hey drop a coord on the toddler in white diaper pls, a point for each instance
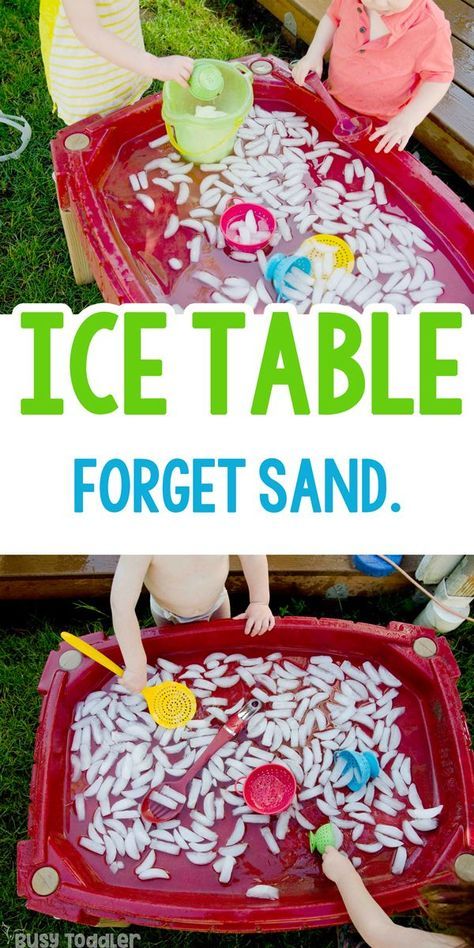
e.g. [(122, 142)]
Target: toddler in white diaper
[(182, 589)]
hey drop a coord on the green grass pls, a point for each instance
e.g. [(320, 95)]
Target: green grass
[(27, 633), (35, 264)]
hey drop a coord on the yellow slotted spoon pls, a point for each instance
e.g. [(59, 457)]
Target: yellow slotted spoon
[(171, 704)]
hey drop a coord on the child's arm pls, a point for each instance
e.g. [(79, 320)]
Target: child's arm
[(86, 25), (372, 923), (126, 589), (398, 130), (258, 613), (313, 59)]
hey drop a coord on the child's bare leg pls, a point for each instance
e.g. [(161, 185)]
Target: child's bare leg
[(223, 611)]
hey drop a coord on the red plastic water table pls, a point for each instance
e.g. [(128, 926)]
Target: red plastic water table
[(59, 878), (115, 241)]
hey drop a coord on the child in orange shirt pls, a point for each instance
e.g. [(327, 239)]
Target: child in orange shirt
[(391, 59)]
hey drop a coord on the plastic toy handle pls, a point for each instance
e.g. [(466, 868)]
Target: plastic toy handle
[(91, 652), (315, 81), (221, 738), (235, 724), (244, 71), (236, 787), (172, 135)]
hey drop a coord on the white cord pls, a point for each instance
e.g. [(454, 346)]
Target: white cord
[(22, 126), (423, 590)]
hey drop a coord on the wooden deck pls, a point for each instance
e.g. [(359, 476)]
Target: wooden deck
[(449, 131), (83, 577)]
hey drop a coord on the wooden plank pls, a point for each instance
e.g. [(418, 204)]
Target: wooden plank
[(459, 14), (82, 577), (455, 115), (57, 566), (44, 577), (312, 8), (322, 575), (447, 149), (57, 587), (300, 19), (464, 66)]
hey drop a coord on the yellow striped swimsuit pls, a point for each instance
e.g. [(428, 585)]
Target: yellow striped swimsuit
[(80, 82)]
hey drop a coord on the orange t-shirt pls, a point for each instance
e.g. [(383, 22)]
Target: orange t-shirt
[(378, 77)]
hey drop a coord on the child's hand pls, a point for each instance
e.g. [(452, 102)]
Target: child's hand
[(134, 678), (259, 617), (178, 68), (305, 66), (336, 864), (395, 133)]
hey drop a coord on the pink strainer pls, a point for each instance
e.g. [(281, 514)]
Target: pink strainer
[(268, 789), (240, 213)]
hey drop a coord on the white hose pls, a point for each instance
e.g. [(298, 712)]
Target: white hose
[(22, 126), (422, 589)]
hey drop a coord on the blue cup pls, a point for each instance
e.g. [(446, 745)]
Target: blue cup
[(280, 264)]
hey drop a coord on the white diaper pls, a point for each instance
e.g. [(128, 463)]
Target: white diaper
[(159, 612)]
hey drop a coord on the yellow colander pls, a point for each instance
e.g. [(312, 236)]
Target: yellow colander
[(170, 703)]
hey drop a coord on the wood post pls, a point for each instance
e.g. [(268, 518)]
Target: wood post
[(79, 262)]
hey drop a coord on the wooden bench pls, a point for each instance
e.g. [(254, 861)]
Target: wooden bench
[(82, 577), (449, 131)]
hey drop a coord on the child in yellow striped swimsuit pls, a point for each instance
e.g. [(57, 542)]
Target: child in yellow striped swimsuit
[(95, 59)]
